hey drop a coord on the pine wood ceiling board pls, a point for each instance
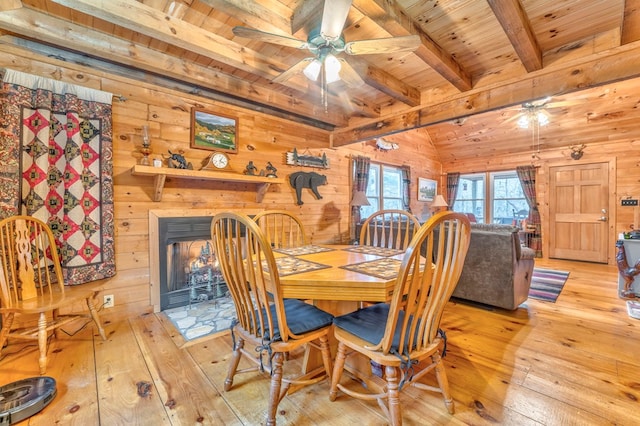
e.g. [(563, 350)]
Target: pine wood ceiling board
[(557, 23), (470, 33), (429, 52), (272, 16), (617, 64)]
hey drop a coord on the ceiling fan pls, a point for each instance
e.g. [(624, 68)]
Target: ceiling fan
[(326, 43)]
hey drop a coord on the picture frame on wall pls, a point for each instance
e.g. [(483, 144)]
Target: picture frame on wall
[(213, 131), (427, 189)]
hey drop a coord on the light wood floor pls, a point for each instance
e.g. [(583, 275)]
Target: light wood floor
[(573, 362)]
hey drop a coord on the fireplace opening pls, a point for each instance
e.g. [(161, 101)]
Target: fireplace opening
[(188, 268)]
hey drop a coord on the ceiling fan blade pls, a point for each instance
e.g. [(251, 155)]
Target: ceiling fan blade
[(269, 38), (334, 17), (349, 75), (383, 45), (295, 69)]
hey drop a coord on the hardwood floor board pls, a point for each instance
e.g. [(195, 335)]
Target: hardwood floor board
[(122, 385), (586, 401), (71, 363), (186, 392), (573, 362)]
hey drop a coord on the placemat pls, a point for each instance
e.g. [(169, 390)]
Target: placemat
[(299, 251), (384, 268), (378, 251), (292, 265)]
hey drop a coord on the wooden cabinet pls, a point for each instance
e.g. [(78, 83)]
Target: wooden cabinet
[(161, 173)]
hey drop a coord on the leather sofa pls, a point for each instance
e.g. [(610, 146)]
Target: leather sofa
[(497, 270)]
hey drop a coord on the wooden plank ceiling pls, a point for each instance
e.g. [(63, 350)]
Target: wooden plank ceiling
[(478, 61)]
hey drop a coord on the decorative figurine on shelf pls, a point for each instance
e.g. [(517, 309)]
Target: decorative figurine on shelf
[(145, 149), (250, 170), (177, 161), (271, 171)]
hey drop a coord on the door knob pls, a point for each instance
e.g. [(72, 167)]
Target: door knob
[(603, 219)]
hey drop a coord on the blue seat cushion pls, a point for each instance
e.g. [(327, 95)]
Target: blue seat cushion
[(369, 324), (301, 318)]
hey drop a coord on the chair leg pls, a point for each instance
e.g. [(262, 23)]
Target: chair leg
[(42, 342), (233, 364), (7, 322), (338, 367), (276, 383), (326, 355), (443, 382), (96, 317), (393, 395)]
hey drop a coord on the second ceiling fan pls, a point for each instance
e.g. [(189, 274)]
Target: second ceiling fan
[(327, 43)]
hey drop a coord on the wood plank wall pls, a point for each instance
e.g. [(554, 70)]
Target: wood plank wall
[(167, 113)]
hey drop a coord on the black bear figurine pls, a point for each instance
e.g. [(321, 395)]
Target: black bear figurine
[(310, 180)]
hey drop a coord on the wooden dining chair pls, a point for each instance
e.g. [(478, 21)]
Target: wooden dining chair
[(390, 228), (281, 228), (31, 283), (404, 335), (268, 324)]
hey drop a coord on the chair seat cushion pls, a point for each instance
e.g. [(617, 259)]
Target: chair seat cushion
[(301, 317), (369, 324)]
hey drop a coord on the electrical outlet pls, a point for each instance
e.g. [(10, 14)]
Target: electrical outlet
[(109, 302), (628, 202)]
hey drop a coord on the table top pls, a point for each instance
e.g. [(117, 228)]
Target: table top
[(332, 281)]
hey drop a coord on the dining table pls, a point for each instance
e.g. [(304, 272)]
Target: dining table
[(331, 275), (337, 279)]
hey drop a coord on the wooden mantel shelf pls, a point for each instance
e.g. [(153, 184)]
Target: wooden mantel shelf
[(161, 173)]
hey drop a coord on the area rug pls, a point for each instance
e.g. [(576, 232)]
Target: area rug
[(203, 319), (546, 284)]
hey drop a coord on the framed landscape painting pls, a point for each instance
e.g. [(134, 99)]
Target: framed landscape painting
[(213, 131), (427, 189)]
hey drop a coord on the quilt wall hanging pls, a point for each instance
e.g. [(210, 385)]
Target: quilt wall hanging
[(56, 165)]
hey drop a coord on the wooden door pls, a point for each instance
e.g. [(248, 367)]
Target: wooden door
[(579, 212)]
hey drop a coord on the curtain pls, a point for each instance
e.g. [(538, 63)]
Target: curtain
[(360, 180), (527, 176), (453, 180), (406, 195), (57, 161)]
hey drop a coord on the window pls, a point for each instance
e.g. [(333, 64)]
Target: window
[(384, 189), (506, 201)]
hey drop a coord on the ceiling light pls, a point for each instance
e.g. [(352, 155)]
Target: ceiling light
[(312, 71), (532, 115), (331, 68)]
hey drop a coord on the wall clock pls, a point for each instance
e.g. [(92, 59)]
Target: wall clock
[(216, 161)]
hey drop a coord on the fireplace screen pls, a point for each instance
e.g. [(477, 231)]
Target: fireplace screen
[(193, 273)]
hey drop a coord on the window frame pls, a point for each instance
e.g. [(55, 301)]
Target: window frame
[(380, 201)]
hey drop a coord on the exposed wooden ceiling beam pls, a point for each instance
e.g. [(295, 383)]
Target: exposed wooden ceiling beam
[(256, 15), (595, 70), (390, 14), (631, 22), (516, 25), (386, 83), (54, 55), (52, 30), (154, 23)]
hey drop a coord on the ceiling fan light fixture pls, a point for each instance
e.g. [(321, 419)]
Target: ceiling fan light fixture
[(312, 71), (332, 68), (523, 122), (542, 118)]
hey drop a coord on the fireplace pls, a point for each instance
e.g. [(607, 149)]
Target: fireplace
[(183, 268)]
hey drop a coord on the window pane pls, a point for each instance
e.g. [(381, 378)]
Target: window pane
[(470, 196), (393, 203), (391, 182), (509, 203), (373, 187)]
